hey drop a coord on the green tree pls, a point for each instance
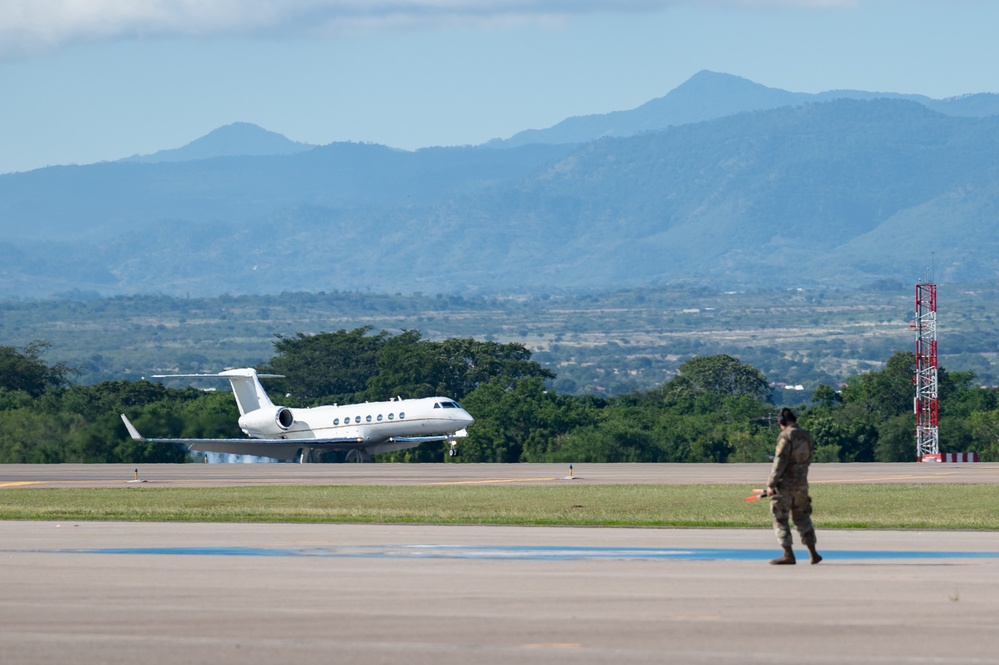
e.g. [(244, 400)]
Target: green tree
[(826, 396), (162, 419), (413, 367), (886, 393), (839, 436), (30, 437), (114, 397), (725, 376), (473, 363), (408, 367), (327, 366), (612, 441), (518, 421), (985, 426), (24, 370), (896, 439)]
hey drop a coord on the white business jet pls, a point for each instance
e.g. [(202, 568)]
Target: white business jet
[(361, 430)]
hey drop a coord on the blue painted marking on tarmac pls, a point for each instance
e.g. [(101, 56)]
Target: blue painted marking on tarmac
[(525, 553)]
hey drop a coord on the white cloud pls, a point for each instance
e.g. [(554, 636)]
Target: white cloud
[(33, 26)]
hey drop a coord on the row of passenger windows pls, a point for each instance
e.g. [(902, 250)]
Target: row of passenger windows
[(357, 419), (391, 416)]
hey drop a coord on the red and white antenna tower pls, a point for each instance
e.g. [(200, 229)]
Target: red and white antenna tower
[(926, 407)]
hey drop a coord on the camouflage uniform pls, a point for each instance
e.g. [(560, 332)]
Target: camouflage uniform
[(789, 477)]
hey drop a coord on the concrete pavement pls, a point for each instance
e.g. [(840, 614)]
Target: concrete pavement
[(157, 593)]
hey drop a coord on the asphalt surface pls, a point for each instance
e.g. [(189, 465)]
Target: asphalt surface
[(221, 475), (94, 592)]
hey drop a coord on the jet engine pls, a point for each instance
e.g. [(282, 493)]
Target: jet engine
[(267, 422)]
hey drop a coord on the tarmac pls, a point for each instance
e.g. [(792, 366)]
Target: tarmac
[(223, 475), (98, 592)]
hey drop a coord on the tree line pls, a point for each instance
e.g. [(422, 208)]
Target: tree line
[(715, 409)]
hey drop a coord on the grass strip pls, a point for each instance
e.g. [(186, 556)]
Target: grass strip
[(836, 506)]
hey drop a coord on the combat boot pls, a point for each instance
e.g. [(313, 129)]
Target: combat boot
[(813, 556), (787, 559)]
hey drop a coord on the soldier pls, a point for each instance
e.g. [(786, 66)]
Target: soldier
[(788, 488)]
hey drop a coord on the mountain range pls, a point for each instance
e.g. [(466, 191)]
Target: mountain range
[(240, 139), (722, 182)]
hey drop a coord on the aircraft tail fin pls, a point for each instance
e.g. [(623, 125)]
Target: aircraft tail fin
[(245, 382)]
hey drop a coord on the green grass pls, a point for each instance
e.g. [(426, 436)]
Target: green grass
[(836, 506)]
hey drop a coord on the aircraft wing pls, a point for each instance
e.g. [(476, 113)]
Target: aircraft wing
[(276, 448)]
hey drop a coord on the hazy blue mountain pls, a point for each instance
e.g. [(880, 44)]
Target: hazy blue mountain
[(708, 95), (837, 193), (100, 200), (235, 140)]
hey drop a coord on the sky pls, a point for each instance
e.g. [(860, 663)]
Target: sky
[(83, 81)]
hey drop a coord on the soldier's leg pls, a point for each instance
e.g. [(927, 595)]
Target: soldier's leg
[(801, 513), (780, 505), (780, 510)]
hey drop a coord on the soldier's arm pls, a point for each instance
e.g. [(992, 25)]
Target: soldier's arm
[(781, 456)]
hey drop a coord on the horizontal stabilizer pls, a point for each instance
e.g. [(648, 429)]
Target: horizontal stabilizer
[(245, 382), (214, 376)]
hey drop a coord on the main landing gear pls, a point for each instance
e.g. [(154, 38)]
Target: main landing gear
[(357, 455)]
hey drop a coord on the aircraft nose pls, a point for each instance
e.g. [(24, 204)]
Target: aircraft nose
[(465, 418)]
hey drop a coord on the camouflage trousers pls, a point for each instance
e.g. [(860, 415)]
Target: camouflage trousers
[(792, 502)]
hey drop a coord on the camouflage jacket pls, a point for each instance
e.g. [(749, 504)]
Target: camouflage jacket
[(791, 460)]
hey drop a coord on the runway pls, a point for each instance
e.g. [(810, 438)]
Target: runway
[(92, 592), (223, 475)]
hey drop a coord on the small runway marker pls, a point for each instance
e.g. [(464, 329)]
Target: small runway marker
[(136, 479)]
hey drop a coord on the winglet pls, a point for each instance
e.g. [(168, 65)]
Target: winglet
[(134, 433)]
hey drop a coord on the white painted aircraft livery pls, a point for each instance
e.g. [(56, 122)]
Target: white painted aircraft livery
[(360, 430)]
